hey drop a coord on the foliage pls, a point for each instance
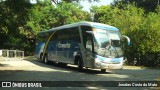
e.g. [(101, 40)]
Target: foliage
[(71, 1), (143, 29), (67, 13), (21, 20), (10, 22), (147, 5)]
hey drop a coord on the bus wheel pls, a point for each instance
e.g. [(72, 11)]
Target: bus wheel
[(103, 70), (41, 60), (46, 59), (80, 67)]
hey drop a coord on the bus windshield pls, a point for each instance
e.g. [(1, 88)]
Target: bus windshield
[(107, 43)]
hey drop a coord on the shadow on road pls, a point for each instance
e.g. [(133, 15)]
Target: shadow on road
[(4, 65), (55, 72), (73, 68), (71, 78), (67, 67)]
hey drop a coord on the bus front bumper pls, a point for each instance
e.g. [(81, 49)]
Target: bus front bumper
[(108, 64)]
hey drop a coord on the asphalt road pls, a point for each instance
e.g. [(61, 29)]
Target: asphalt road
[(32, 70)]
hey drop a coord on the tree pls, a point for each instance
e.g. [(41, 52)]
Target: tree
[(12, 18), (21, 20), (67, 13), (142, 29), (70, 1), (147, 5)]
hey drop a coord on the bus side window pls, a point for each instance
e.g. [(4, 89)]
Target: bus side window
[(89, 43), (85, 35)]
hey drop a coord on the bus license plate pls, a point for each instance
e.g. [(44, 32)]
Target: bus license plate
[(110, 67)]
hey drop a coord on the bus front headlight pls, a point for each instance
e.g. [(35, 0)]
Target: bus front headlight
[(97, 62)]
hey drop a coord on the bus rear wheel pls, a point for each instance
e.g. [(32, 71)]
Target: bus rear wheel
[(41, 60), (103, 70), (79, 64)]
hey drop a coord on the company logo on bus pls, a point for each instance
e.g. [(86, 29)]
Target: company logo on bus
[(67, 45)]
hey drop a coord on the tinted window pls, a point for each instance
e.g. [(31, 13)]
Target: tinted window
[(67, 34), (84, 29)]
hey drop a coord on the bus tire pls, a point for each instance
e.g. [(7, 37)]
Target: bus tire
[(41, 60), (103, 70), (79, 64)]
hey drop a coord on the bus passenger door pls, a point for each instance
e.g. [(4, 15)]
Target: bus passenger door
[(89, 50)]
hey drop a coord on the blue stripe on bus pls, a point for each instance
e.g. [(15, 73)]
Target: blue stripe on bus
[(100, 57), (114, 60), (106, 28)]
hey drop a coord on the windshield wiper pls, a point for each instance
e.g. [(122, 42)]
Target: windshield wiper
[(114, 48), (111, 47), (107, 48)]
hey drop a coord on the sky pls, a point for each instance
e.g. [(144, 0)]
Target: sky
[(86, 5)]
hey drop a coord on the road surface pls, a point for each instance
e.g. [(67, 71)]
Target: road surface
[(32, 70)]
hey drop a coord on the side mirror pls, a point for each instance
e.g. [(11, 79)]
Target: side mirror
[(128, 39)]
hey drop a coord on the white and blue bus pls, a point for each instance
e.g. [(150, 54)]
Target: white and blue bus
[(85, 44)]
